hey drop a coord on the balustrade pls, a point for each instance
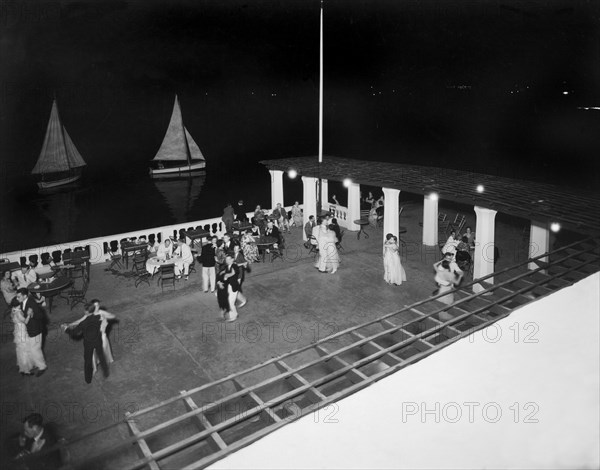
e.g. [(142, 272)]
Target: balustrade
[(100, 248)]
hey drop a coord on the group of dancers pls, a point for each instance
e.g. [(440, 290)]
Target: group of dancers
[(30, 329)]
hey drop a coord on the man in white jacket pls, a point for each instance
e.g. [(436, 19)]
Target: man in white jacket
[(184, 251)]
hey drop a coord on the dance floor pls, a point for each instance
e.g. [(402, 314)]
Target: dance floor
[(174, 340)]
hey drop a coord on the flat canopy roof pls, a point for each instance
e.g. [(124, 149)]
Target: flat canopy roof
[(574, 210)]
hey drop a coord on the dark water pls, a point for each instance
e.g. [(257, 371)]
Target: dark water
[(116, 195), (105, 204)]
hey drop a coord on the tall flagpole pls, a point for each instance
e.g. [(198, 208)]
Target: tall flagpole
[(319, 185), (321, 89)]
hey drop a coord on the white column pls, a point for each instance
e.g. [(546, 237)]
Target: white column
[(390, 211), (353, 206), (539, 242), (276, 187), (430, 220), (484, 246), (324, 195), (310, 199)]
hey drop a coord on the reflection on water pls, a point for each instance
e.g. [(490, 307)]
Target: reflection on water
[(58, 214), (180, 193), (119, 202)]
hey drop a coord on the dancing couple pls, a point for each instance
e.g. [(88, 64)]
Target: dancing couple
[(229, 288), (96, 347), (328, 258), (393, 272)]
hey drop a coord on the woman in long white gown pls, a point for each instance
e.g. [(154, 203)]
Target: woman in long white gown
[(94, 308), (21, 338), (393, 272), (328, 258)]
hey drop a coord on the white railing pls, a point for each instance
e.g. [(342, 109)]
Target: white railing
[(341, 214), (100, 247)]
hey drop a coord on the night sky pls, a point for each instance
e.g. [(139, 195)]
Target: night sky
[(489, 85)]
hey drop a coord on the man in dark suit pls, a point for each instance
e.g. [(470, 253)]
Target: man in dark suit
[(89, 327), (273, 231), (36, 328), (308, 226), (37, 439), (228, 244), (336, 228)]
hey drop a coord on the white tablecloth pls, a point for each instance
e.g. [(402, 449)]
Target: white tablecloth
[(154, 264)]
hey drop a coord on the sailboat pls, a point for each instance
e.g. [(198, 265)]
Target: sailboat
[(178, 155), (60, 162)]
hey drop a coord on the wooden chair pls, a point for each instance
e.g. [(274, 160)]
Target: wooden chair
[(364, 214), (77, 296), (461, 224), (312, 245), (78, 269), (277, 250), (192, 268), (140, 272), (167, 275), (115, 259), (338, 244)]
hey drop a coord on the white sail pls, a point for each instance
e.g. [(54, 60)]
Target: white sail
[(58, 153), (195, 152), (178, 144)]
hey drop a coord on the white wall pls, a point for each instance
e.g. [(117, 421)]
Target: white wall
[(554, 381)]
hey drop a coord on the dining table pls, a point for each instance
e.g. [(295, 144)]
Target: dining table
[(130, 248), (196, 237), (264, 243), (362, 223), (241, 227), (154, 265), (50, 288), (10, 266)]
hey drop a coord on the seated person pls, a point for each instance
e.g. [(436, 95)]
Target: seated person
[(165, 250), (463, 244), (470, 236), (249, 248), (9, 290), (256, 230), (184, 251), (462, 256), (451, 244), (153, 247), (25, 276), (272, 231), (43, 268), (280, 214)]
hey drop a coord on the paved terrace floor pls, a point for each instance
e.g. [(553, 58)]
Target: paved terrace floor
[(171, 341)]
